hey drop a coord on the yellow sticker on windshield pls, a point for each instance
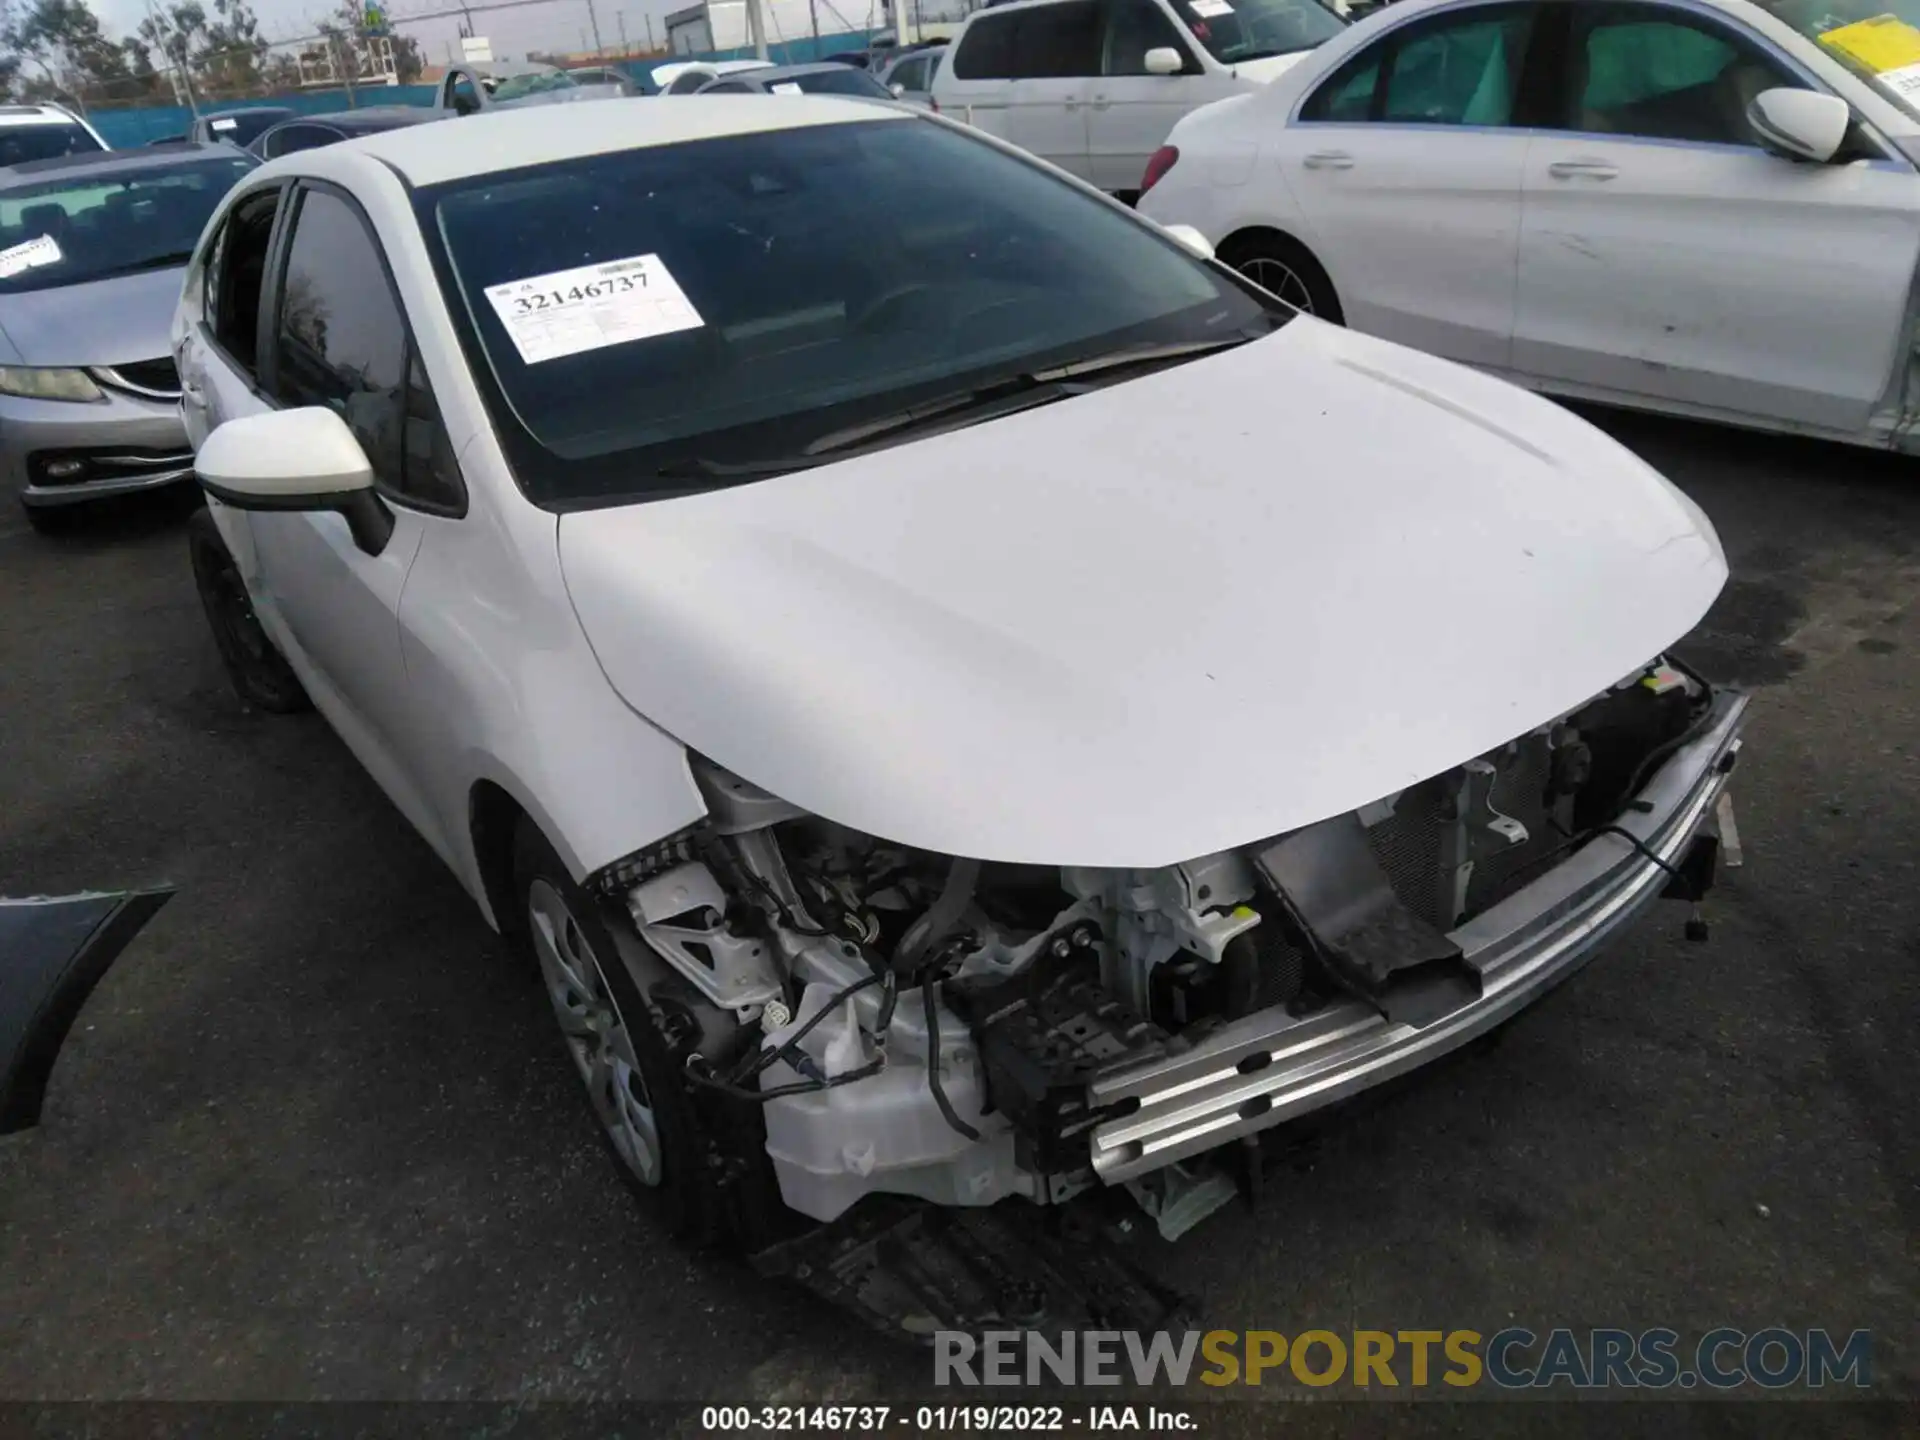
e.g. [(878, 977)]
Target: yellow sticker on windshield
[(1883, 43)]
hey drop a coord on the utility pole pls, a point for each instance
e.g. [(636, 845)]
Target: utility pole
[(343, 61), (649, 32), (756, 30), (813, 16), (626, 50), (594, 18)]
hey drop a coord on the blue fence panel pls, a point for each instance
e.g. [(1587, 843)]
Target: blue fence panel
[(124, 129)]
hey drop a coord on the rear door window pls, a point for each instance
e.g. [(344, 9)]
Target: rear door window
[(236, 275), (986, 50), (1056, 41), (1458, 68)]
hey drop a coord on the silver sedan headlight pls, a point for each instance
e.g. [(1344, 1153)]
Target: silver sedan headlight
[(38, 382)]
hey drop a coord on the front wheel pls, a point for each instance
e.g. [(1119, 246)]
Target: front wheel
[(259, 672), (1284, 267), (704, 1173)]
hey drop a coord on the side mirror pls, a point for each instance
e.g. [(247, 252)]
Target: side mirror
[(1164, 60), (897, 89), (305, 459), (1192, 239), (1800, 124)]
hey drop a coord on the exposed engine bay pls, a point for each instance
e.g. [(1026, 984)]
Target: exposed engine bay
[(914, 1024)]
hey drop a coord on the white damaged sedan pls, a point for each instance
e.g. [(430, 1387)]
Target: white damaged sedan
[(961, 697)]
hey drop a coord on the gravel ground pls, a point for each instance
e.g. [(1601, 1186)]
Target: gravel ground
[(313, 1138)]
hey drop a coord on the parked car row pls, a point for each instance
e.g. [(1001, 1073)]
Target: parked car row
[(1704, 207)]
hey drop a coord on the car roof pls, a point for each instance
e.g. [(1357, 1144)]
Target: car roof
[(145, 157), (771, 73), (375, 119), (497, 140), (36, 115)]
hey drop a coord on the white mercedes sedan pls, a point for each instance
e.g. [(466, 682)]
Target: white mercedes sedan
[(956, 695), (1704, 207)]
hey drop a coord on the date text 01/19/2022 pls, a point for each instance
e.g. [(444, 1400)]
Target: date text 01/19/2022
[(977, 1419)]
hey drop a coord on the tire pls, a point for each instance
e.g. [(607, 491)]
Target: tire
[(260, 674), (698, 1165), (1284, 267)]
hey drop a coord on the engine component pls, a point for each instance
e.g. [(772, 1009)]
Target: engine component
[(682, 915), (1042, 1035)]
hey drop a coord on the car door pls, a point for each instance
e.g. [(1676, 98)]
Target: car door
[(1665, 256), (1406, 163), (337, 336), (1056, 55), (1130, 110)]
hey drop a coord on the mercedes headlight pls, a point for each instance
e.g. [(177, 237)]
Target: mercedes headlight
[(39, 382)]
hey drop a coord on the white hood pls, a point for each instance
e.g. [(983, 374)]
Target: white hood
[(1167, 618)]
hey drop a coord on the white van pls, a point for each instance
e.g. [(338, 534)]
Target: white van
[(1095, 85)]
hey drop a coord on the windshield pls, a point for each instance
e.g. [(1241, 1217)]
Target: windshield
[(1236, 30), (841, 80), (1252, 29), (20, 144), (735, 300), (519, 86), (243, 127), (90, 225), (1876, 39)]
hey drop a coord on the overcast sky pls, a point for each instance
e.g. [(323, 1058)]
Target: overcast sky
[(550, 25)]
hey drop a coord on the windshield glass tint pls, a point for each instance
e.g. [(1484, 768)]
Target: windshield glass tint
[(243, 127), (88, 226), (842, 80), (1236, 30), (20, 144), (520, 86), (831, 274), (1878, 39)]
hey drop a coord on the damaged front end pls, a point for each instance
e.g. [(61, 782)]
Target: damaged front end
[(968, 1032)]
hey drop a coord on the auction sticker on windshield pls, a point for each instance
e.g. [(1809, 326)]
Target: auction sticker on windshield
[(592, 307), (18, 259)]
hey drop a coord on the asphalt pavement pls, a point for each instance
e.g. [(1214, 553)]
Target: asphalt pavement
[(315, 1138)]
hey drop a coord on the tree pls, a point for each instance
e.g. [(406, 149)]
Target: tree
[(62, 41), (224, 52)]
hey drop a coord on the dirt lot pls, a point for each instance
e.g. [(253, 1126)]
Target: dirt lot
[(314, 1139)]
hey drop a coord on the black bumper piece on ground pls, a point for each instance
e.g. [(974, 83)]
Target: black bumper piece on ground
[(912, 1269), (52, 953)]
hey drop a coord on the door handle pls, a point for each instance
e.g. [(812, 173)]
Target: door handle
[(1099, 102), (1329, 160), (1070, 106), (1581, 169)]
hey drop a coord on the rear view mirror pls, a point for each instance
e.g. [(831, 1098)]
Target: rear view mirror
[(1800, 124), (304, 459), (897, 89), (1164, 60)]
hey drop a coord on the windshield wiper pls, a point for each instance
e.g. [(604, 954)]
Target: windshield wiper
[(152, 262), (1035, 387), (1007, 396)]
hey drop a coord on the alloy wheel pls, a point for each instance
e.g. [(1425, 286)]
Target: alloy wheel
[(1279, 278), (596, 1033)]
